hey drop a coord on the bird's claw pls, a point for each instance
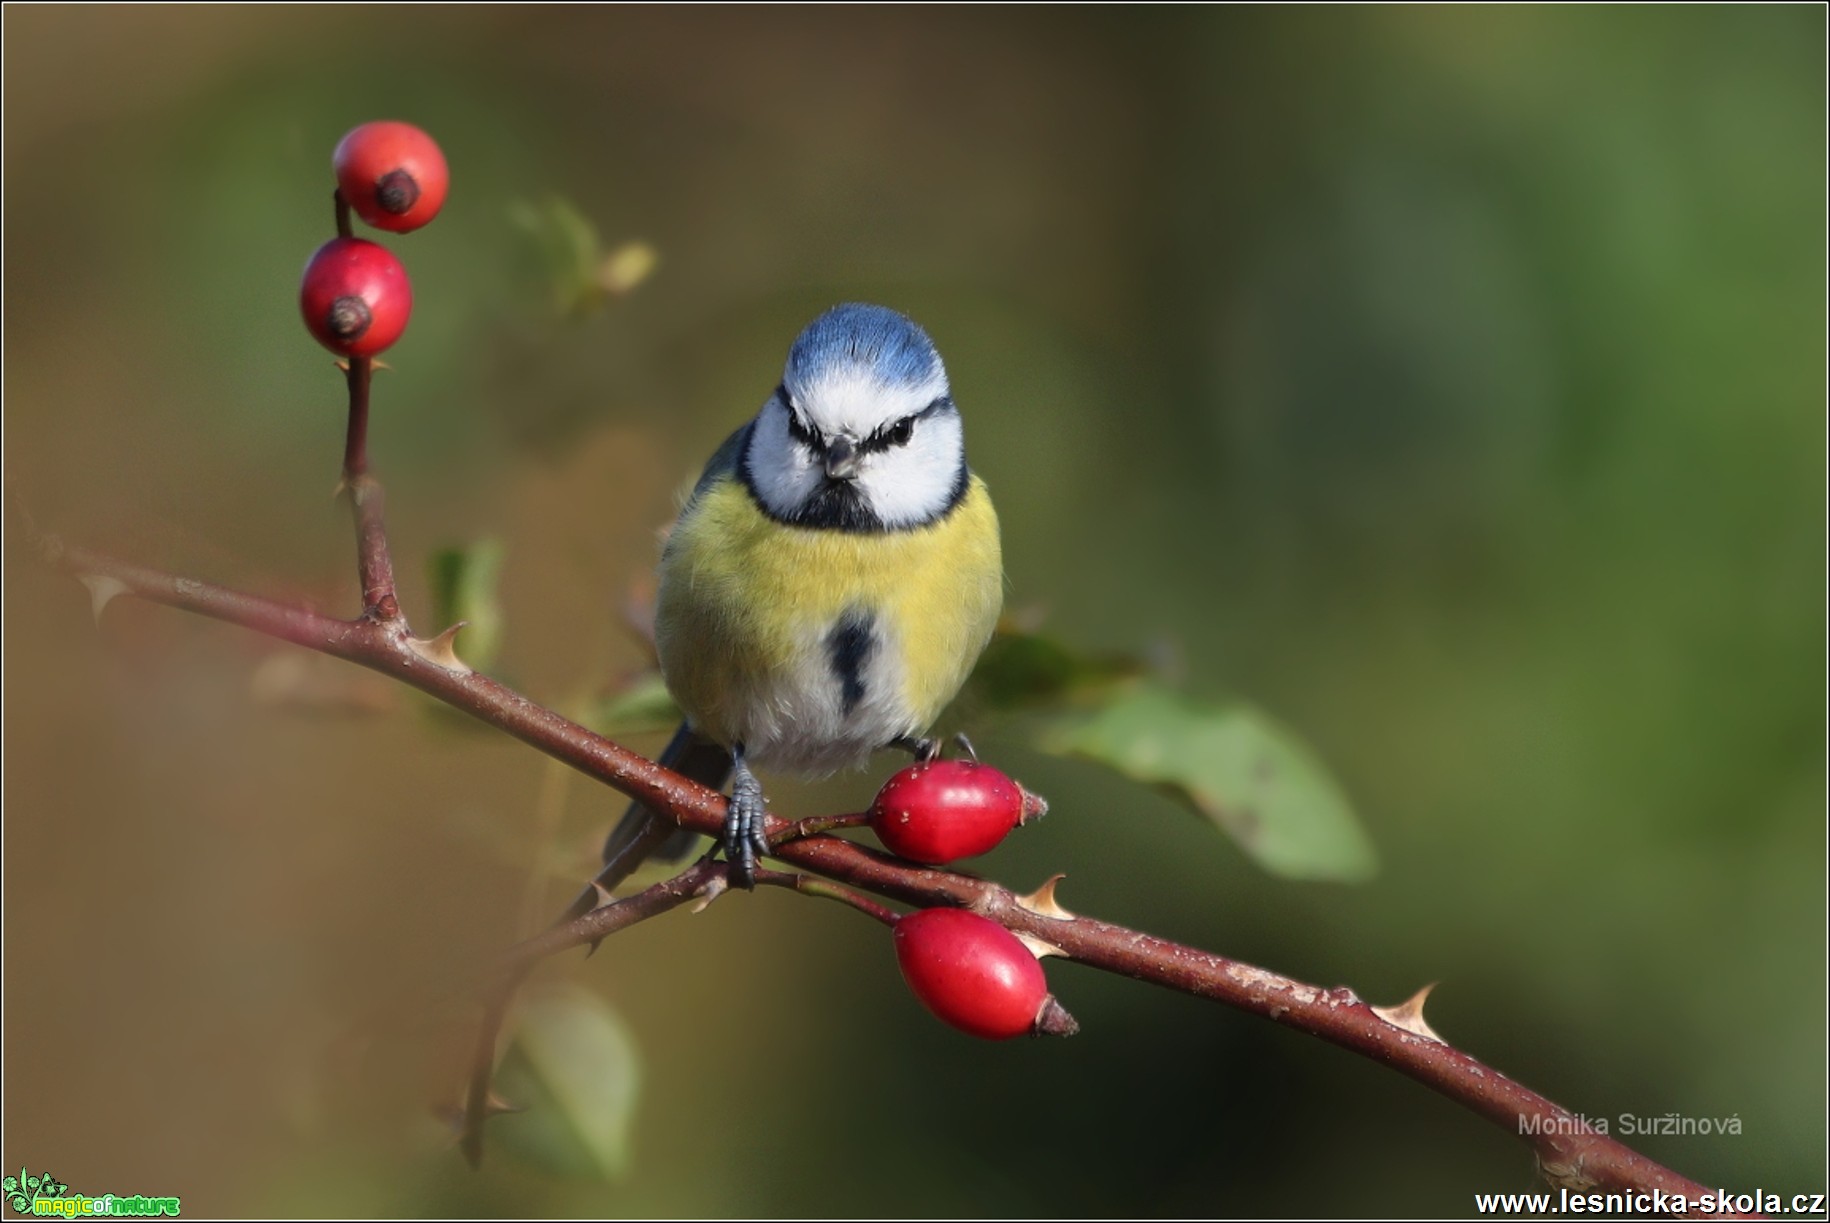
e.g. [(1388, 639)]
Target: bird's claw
[(925, 751), (746, 835)]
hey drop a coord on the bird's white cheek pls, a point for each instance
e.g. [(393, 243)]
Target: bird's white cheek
[(913, 483), (780, 469)]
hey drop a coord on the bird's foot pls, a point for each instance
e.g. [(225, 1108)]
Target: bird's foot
[(746, 820)]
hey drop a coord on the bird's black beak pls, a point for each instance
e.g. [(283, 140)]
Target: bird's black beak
[(841, 459)]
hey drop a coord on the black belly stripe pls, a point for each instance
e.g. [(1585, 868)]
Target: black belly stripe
[(848, 649)]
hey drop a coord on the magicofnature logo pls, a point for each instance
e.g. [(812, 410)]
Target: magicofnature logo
[(43, 1195)]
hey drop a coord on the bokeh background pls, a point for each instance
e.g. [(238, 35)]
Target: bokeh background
[(1449, 383)]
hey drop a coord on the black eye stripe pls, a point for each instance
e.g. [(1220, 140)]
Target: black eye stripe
[(892, 435), (898, 433), (797, 428), (888, 437)]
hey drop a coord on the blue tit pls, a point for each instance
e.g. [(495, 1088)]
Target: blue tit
[(831, 581)]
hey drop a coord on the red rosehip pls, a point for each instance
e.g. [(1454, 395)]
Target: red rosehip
[(355, 297), (971, 972), (392, 174), (943, 810)]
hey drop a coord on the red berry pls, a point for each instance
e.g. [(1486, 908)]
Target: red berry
[(355, 297), (392, 174), (971, 972), (944, 810)]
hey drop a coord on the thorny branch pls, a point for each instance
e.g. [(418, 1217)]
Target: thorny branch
[(1568, 1151)]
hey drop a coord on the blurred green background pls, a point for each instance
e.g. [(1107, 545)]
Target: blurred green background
[(1450, 383)]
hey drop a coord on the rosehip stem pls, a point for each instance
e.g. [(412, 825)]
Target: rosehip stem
[(814, 825), (374, 563), (356, 440), (341, 206), (811, 885)]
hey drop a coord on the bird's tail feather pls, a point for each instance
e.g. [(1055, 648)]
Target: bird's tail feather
[(642, 833)]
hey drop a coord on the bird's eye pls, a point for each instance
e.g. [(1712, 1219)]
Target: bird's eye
[(889, 436)]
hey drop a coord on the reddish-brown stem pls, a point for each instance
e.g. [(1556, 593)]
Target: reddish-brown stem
[(478, 1094), (341, 207), (619, 867), (374, 564), (703, 879), (298, 625), (813, 825), (810, 885), (356, 439)]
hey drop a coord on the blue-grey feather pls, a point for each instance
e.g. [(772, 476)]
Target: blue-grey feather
[(723, 461), (891, 346)]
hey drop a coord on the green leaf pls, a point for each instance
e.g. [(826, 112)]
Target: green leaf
[(1256, 780), (464, 586), (571, 253), (576, 1070), (1021, 670), (641, 705)]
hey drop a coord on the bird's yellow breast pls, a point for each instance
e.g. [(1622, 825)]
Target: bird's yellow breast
[(758, 625)]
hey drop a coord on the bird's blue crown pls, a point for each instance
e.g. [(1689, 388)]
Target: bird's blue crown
[(855, 338)]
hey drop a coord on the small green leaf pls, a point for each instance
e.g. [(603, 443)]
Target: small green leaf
[(570, 251), (1253, 778), (576, 1071), (641, 705), (626, 267), (464, 585)]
